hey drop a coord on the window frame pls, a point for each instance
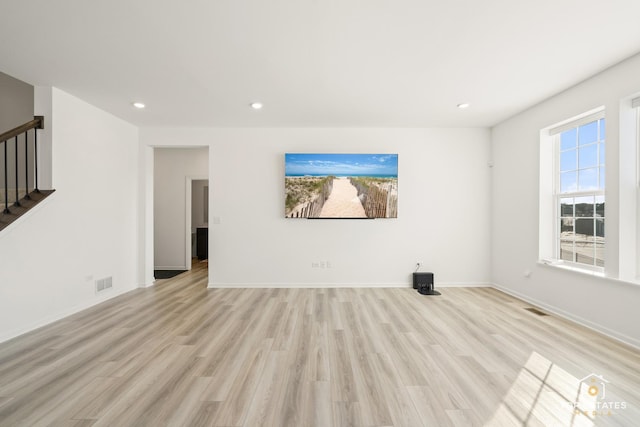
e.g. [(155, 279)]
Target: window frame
[(638, 147), (636, 105), (557, 196)]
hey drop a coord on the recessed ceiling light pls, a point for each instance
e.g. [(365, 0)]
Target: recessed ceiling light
[(463, 105), (256, 105), (139, 105)]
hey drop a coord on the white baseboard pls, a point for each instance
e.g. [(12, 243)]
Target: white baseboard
[(171, 267), (572, 317), (344, 285), (61, 315), (463, 285), (308, 285)]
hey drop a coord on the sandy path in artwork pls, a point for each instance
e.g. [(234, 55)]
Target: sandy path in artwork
[(343, 201)]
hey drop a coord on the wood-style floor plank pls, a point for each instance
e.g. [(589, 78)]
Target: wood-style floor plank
[(179, 354)]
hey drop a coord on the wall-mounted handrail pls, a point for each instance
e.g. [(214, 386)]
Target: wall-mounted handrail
[(37, 123)]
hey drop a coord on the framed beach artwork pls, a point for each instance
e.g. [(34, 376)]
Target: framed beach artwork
[(341, 185)]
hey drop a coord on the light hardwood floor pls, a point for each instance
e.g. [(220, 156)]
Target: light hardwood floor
[(182, 355)]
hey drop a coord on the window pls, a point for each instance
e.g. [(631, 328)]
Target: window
[(636, 273), (635, 103), (579, 195)]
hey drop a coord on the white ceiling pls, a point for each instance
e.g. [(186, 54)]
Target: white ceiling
[(356, 63)]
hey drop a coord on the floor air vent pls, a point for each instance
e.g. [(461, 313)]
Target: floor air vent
[(104, 284), (536, 311)]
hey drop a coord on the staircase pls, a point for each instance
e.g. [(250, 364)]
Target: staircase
[(19, 190)]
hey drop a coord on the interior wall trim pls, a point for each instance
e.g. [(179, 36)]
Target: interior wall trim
[(625, 339)]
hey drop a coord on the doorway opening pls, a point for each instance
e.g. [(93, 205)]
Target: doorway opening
[(180, 208), (198, 221)]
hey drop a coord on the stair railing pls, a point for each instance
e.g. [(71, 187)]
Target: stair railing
[(5, 139)]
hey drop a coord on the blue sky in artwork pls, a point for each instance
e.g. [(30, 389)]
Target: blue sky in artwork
[(297, 164)]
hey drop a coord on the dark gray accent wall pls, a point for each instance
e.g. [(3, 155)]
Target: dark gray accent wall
[(16, 102), (16, 108)]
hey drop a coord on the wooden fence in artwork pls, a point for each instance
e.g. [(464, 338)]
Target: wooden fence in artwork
[(377, 202), (313, 208), (392, 206)]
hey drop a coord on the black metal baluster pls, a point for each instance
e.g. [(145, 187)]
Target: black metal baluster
[(35, 159), (6, 181), (26, 165), (17, 203)]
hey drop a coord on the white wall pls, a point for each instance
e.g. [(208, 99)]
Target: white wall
[(606, 304), (443, 208), (171, 169), (85, 231)]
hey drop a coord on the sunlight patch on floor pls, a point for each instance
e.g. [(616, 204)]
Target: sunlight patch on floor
[(545, 394)]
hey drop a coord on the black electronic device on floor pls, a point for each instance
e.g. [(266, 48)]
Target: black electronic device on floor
[(423, 282)]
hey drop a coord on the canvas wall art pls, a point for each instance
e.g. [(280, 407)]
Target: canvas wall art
[(341, 185)]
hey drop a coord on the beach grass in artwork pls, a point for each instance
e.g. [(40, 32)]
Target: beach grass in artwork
[(341, 185)]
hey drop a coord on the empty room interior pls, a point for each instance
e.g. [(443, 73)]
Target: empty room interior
[(320, 213)]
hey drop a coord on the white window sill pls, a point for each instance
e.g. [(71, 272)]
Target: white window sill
[(585, 271), (570, 267)]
